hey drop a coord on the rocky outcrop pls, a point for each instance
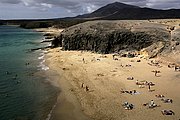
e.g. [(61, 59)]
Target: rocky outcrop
[(57, 41), (111, 36), (154, 49)]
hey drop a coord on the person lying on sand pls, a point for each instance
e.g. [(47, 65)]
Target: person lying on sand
[(167, 100), (177, 68), (150, 83), (115, 59), (128, 106), (130, 78), (129, 92), (144, 83), (132, 92), (124, 91), (141, 86), (128, 65), (151, 104), (167, 112), (141, 82), (159, 96)]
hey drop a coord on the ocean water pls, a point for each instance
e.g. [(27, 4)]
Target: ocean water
[(25, 92)]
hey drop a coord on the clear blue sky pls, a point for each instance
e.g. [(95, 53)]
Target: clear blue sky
[(20, 9)]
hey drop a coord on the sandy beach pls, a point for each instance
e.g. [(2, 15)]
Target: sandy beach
[(105, 78), (91, 84), (49, 30), (90, 60)]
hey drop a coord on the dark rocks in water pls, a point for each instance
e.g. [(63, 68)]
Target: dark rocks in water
[(110, 36), (49, 37), (40, 48), (44, 41)]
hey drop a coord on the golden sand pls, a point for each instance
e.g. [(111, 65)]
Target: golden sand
[(104, 77)]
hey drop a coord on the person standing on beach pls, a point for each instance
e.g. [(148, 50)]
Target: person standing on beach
[(83, 60), (155, 72), (149, 87)]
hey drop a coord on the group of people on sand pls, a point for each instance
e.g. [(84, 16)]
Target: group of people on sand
[(141, 84), (175, 66), (151, 104)]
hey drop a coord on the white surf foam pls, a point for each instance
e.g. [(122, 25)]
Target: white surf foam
[(41, 57), (42, 66), (50, 113)]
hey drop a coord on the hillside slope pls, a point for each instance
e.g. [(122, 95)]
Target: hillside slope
[(120, 11)]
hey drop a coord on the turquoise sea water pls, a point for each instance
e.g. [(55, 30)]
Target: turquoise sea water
[(25, 94)]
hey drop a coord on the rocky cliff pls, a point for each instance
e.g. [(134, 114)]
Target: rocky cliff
[(112, 36)]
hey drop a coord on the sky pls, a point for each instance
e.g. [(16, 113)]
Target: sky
[(35, 9)]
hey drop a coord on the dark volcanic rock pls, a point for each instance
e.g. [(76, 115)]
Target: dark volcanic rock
[(110, 36), (57, 41)]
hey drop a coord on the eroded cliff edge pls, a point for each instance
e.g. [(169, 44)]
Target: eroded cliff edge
[(114, 36)]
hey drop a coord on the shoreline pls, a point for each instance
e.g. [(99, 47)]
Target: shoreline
[(43, 69), (67, 106), (26, 92)]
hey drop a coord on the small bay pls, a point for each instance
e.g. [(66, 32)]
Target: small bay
[(25, 92)]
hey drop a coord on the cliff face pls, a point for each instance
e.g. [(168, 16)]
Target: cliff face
[(111, 36), (106, 43)]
